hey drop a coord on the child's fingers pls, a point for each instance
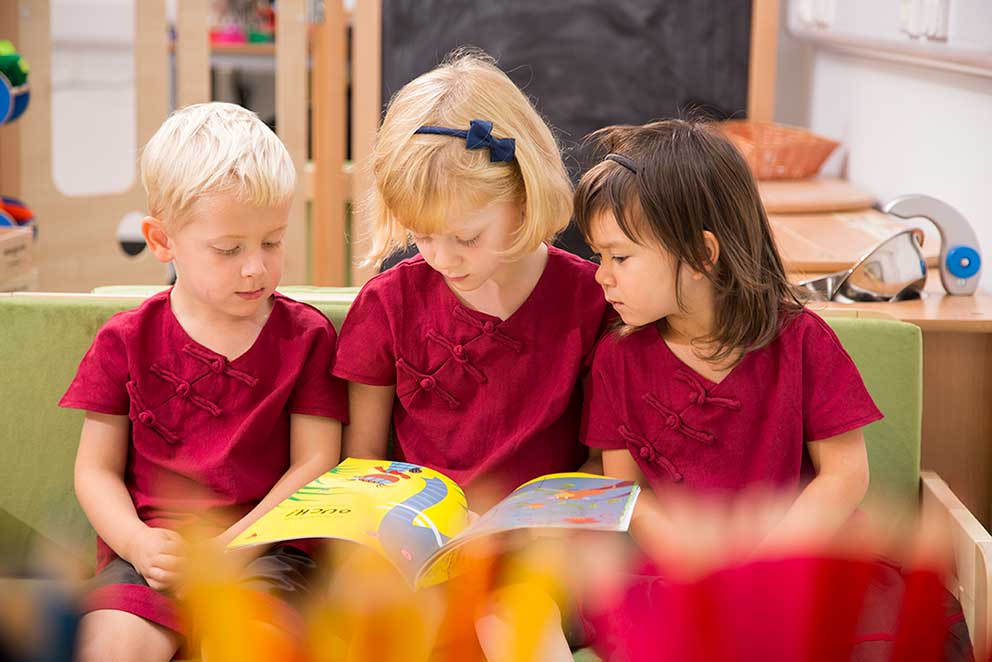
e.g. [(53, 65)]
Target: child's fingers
[(160, 579), (169, 562), (171, 542), (155, 585)]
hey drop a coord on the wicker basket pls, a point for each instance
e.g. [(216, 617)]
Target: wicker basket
[(776, 151)]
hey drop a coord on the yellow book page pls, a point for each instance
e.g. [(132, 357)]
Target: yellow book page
[(404, 511)]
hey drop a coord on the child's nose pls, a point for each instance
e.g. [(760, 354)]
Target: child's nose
[(253, 266), (445, 256), (604, 277)]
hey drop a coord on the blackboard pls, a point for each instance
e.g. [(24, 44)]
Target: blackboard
[(585, 63)]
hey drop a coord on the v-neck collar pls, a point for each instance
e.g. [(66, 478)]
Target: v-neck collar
[(175, 320), (708, 383), (496, 319)]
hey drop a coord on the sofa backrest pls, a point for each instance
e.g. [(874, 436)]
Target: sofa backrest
[(889, 355), (43, 337)]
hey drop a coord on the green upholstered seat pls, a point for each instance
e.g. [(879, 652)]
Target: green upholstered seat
[(43, 337)]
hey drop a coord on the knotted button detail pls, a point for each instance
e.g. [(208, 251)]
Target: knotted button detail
[(489, 328), (700, 396), (146, 417), (184, 389), (427, 383), (219, 365), (459, 354), (641, 447), (675, 422)]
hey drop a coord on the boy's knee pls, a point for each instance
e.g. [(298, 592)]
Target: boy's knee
[(115, 636)]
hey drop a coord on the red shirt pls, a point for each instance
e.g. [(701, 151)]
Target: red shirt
[(209, 436), (750, 428), (477, 397)]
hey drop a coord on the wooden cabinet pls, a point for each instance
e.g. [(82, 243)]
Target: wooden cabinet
[(828, 235)]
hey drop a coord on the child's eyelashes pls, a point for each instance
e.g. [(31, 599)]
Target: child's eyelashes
[(468, 243), (616, 259), (234, 250)]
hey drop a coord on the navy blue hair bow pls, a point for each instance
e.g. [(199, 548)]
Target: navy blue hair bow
[(478, 136)]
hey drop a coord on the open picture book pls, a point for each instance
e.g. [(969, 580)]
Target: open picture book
[(418, 518)]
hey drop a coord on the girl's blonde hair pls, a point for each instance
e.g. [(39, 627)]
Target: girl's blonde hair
[(421, 179), (210, 148)]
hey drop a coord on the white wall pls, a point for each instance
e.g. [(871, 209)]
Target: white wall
[(94, 118), (905, 128), (93, 94)]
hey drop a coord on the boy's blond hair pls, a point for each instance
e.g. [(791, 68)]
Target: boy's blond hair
[(421, 179), (210, 148)]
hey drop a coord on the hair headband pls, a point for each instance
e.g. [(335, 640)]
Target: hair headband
[(478, 136), (622, 160)]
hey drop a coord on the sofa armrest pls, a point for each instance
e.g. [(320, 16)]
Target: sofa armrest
[(972, 549)]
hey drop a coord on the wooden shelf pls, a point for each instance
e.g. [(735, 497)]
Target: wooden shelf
[(261, 49), (823, 243), (810, 196), (936, 311)]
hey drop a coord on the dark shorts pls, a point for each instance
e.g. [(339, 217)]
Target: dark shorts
[(283, 573)]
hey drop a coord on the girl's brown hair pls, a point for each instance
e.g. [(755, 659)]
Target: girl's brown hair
[(691, 179)]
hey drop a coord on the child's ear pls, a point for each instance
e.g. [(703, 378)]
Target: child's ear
[(712, 248), (159, 242)]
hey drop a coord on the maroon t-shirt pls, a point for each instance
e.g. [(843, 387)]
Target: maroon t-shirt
[(477, 398), (750, 428), (209, 436)]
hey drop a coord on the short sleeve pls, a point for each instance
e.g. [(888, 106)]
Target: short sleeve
[(317, 392), (606, 324), (101, 381), (600, 422), (835, 399), (365, 345)]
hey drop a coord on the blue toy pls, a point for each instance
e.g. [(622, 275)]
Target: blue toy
[(15, 92)]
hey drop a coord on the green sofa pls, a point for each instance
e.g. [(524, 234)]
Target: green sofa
[(43, 337)]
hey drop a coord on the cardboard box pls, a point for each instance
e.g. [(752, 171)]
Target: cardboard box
[(16, 252), (26, 282)]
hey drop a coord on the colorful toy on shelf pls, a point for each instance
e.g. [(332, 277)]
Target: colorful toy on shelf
[(15, 93), (265, 30), (14, 213), (230, 33), (243, 21)]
